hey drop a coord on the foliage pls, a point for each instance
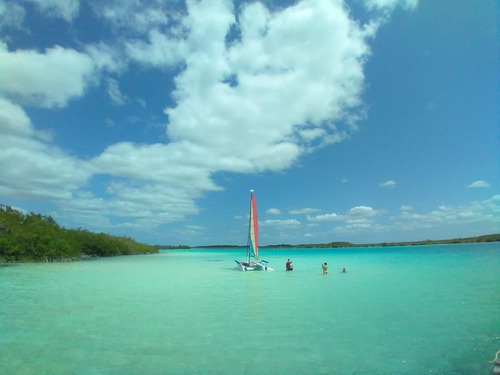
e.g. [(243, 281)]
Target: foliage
[(486, 238), (39, 238)]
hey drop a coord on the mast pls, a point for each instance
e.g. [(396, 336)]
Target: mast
[(253, 230), (249, 240)]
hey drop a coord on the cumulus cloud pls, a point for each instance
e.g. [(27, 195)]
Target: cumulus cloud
[(273, 211), (47, 79), (484, 211), (179, 165), (11, 15), (66, 9), (292, 86), (106, 58), (406, 208), (29, 167), (389, 184), (158, 51), (365, 227), (358, 213), (325, 217), (479, 184), (304, 211), (389, 5), (361, 211), (280, 223), (13, 120), (481, 214), (138, 16), (360, 219), (294, 100)]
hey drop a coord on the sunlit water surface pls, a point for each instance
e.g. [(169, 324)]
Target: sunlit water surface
[(406, 310)]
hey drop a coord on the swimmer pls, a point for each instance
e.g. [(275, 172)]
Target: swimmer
[(324, 266)]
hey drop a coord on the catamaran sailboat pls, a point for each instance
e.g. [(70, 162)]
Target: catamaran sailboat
[(253, 243)]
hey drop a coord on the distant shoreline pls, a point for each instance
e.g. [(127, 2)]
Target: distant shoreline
[(477, 239)]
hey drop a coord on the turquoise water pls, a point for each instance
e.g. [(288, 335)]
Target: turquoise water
[(406, 310)]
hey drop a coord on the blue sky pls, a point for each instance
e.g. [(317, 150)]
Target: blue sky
[(361, 121)]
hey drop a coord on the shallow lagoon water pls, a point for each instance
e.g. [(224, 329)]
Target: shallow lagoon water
[(398, 310)]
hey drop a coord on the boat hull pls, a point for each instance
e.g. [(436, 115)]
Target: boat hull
[(253, 266)]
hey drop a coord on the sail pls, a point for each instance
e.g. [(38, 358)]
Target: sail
[(253, 235)]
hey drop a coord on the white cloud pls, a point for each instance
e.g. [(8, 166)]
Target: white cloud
[(13, 120), (138, 16), (389, 5), (304, 211), (66, 9), (11, 15), (29, 167), (325, 217), (178, 165), (475, 218), (362, 211), (141, 102), (321, 86), (359, 228), (310, 135), (381, 11), (106, 58), (406, 208), (280, 223), (479, 184), (355, 214), (47, 79), (291, 85), (166, 179), (475, 212), (295, 90), (114, 92), (160, 50), (389, 183), (273, 211)]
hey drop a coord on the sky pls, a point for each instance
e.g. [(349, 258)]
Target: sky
[(363, 121)]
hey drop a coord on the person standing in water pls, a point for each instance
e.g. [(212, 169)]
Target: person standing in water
[(324, 266)]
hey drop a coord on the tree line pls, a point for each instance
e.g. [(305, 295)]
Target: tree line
[(35, 237)]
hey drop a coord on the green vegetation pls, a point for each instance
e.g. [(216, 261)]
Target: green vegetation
[(486, 238), (34, 237)]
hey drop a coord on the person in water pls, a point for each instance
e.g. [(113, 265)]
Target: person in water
[(289, 265), (343, 270), (324, 266)]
